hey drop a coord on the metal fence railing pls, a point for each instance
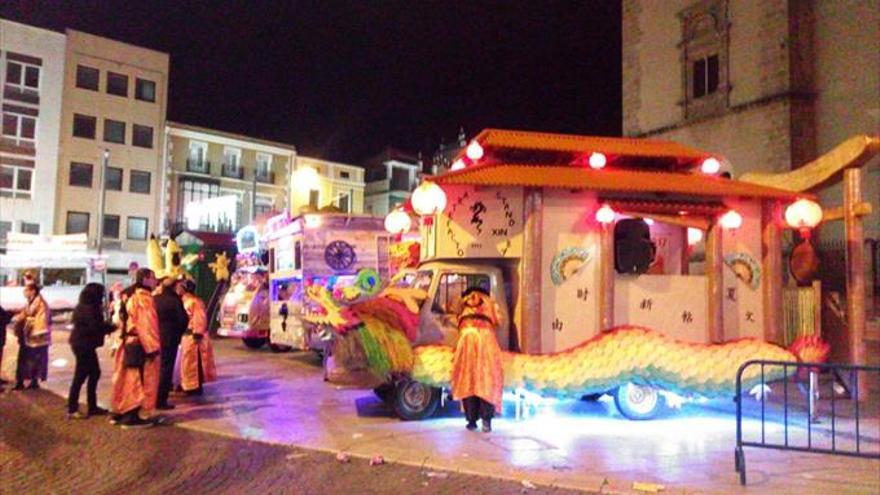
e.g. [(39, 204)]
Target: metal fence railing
[(835, 428)]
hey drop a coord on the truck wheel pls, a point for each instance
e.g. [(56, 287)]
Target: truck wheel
[(280, 347), (254, 342), (385, 392), (414, 401), (638, 401)]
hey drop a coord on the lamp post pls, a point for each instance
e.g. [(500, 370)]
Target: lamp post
[(104, 164)]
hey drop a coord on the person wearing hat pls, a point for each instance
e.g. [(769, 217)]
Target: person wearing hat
[(197, 355), (32, 326), (173, 321), (477, 374), (136, 372)]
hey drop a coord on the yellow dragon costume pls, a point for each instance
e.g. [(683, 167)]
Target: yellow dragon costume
[(380, 330)]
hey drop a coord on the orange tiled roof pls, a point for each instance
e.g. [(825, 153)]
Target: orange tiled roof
[(575, 144), (578, 177)]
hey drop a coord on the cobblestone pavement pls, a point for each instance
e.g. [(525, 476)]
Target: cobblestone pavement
[(41, 452)]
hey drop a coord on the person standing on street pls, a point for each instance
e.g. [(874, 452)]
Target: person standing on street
[(5, 318), (136, 374), (477, 373), (197, 355), (173, 322), (89, 330), (32, 326)]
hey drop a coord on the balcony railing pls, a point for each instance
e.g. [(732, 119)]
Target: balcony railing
[(232, 171), (401, 184), (265, 177), (198, 166)]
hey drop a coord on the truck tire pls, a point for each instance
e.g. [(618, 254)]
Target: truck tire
[(414, 401), (280, 347), (385, 392), (254, 342), (638, 402)]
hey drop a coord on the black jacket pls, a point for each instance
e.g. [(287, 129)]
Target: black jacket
[(89, 327), (173, 319)]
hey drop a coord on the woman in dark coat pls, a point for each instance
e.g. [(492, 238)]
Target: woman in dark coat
[(89, 329)]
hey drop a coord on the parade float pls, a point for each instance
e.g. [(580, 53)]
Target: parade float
[(619, 266), (244, 308), (322, 248)]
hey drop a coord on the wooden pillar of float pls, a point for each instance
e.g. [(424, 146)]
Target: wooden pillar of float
[(606, 277), (855, 269), (714, 283), (531, 271), (685, 252), (771, 268)]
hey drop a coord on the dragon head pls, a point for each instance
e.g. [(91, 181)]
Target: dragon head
[(322, 309)]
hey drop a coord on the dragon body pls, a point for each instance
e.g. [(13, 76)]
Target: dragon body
[(377, 333)]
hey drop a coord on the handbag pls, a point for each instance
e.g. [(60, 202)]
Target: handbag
[(135, 356), (35, 337)]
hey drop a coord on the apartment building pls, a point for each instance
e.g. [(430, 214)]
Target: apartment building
[(391, 177), (32, 74), (114, 102), (331, 184), (217, 181)]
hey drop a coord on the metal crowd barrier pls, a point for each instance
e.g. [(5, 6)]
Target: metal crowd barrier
[(837, 371)]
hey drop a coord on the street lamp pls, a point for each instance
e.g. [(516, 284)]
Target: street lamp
[(100, 247)]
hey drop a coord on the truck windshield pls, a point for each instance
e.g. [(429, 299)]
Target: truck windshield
[(423, 280)]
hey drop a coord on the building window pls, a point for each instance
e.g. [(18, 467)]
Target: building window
[(81, 174), (87, 77), (344, 175), (262, 209), (264, 167), (5, 228), (22, 75), (344, 202), (136, 230), (21, 129), (314, 198), (114, 131), (142, 135), (192, 191), (197, 159), (30, 228), (145, 90), (705, 74), (113, 181), (111, 226), (77, 223), (117, 84), (15, 182), (139, 182), (84, 126), (704, 50), (232, 163)]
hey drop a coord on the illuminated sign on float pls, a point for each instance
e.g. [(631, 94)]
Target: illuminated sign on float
[(215, 213), (247, 240)]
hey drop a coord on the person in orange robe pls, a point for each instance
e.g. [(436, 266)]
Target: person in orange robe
[(477, 373), (135, 389), (196, 353)]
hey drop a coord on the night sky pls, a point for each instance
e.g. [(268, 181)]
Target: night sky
[(342, 79)]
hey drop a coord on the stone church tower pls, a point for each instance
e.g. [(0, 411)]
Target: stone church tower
[(768, 84)]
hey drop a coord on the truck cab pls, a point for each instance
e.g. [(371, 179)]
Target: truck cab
[(444, 282)]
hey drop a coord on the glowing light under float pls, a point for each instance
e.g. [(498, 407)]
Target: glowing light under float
[(398, 222), (605, 214), (474, 151), (597, 160), (731, 220), (428, 199)]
